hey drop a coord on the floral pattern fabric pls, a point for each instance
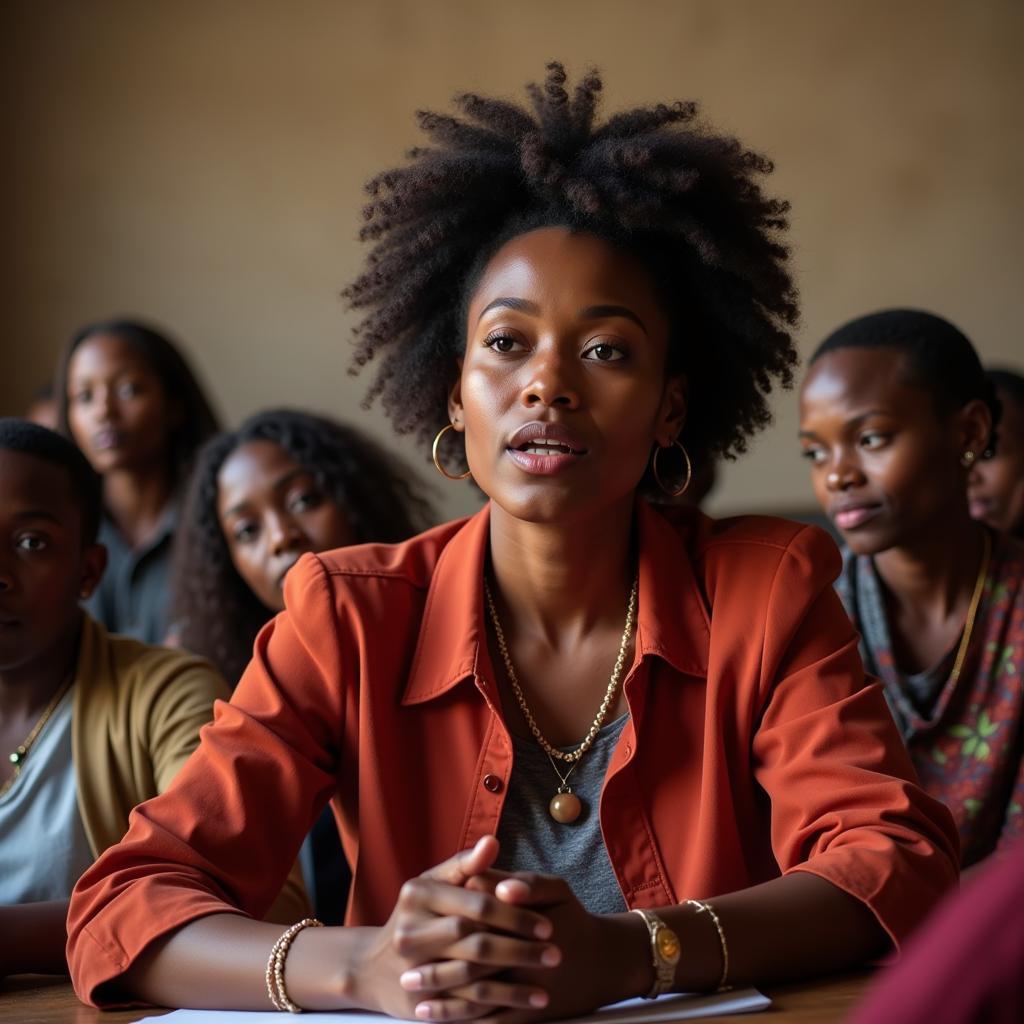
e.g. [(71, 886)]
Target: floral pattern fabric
[(968, 745)]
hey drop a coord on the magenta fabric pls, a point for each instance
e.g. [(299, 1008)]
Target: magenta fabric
[(966, 966)]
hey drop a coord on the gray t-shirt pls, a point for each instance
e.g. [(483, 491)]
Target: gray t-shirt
[(531, 840), (134, 594), (43, 845)]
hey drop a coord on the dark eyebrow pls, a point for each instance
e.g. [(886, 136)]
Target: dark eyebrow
[(234, 510), (282, 482), (594, 312), (39, 513), (590, 313), (852, 423), (278, 485), (508, 302)]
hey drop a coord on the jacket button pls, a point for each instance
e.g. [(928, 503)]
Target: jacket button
[(492, 784)]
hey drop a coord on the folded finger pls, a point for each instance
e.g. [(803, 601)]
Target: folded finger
[(503, 994), (503, 951), (442, 976), (487, 881), (466, 863), (441, 899), (527, 889), (451, 1009), (474, 958)]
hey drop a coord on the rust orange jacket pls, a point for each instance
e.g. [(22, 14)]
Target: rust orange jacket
[(755, 745)]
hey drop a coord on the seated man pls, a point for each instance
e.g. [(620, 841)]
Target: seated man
[(90, 724)]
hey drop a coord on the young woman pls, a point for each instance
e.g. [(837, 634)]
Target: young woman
[(996, 484), (261, 496), (894, 416), (90, 724), (128, 399), (283, 484), (604, 709)]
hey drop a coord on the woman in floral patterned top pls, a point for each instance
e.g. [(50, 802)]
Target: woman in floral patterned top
[(894, 412)]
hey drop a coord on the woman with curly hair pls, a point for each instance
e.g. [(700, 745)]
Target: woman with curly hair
[(282, 484), (127, 398), (579, 749)]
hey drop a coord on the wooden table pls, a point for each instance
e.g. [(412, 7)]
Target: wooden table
[(37, 1000)]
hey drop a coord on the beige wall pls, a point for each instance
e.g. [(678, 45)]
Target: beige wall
[(199, 163)]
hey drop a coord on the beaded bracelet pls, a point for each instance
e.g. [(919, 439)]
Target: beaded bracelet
[(706, 908), (275, 966)]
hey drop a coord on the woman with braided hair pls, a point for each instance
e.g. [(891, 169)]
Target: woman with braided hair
[(579, 748)]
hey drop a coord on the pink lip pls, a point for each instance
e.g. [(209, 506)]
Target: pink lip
[(107, 438), (980, 509), (543, 431), (545, 463), (858, 515)]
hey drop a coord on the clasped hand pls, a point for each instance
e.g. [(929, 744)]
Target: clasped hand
[(466, 941)]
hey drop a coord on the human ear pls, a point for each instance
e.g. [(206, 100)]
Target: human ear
[(455, 417), (91, 567), (672, 414), (974, 429)]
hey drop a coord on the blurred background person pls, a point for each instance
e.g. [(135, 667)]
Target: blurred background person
[(284, 483), (996, 484), (895, 412), (127, 398)]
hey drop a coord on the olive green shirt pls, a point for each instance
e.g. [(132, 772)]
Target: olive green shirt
[(137, 714)]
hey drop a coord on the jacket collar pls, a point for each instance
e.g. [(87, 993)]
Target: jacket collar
[(672, 621)]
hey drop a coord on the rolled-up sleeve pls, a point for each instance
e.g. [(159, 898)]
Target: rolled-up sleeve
[(205, 846), (844, 795)]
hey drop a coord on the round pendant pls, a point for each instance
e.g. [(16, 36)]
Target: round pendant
[(565, 808)]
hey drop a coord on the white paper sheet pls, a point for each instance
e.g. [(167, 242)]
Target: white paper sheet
[(632, 1011)]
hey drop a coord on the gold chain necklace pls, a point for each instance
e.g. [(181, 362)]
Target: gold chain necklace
[(565, 806), (972, 611), (17, 757)]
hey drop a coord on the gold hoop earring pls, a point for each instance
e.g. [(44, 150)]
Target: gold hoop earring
[(657, 476), (437, 461)]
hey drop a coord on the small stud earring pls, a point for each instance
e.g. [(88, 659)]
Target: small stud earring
[(967, 459)]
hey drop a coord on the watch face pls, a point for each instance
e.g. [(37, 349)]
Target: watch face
[(668, 944)]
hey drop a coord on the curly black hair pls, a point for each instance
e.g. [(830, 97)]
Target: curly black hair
[(197, 422), (215, 612), (652, 180)]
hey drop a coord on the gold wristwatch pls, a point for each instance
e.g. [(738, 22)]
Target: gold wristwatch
[(665, 950)]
